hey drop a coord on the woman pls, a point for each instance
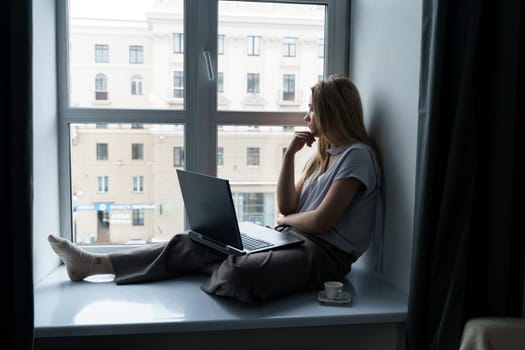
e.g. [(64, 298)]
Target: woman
[(333, 205)]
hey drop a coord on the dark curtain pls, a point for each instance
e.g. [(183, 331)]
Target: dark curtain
[(468, 257), (16, 173)]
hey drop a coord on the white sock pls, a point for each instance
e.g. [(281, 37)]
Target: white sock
[(79, 263)]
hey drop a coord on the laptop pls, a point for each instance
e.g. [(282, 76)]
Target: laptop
[(213, 221)]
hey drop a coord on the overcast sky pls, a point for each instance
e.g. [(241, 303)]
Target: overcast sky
[(116, 9)]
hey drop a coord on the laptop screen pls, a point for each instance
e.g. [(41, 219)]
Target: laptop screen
[(209, 207)]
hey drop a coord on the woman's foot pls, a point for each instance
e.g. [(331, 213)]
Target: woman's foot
[(79, 264)]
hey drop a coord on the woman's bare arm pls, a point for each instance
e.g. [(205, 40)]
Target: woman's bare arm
[(288, 190), (324, 217)]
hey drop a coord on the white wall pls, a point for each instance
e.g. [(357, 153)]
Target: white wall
[(384, 64), (45, 156)]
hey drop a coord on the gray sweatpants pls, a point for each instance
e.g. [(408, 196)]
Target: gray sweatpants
[(251, 278)]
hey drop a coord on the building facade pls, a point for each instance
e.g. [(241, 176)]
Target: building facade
[(124, 181)]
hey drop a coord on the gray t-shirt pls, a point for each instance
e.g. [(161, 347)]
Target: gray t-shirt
[(354, 229)]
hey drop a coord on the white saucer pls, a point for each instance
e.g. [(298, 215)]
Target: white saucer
[(345, 298)]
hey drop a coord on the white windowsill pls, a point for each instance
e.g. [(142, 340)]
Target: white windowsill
[(64, 308)]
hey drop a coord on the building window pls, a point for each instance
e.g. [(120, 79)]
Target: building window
[(288, 87), (256, 207), (102, 151), (178, 84), (321, 47), (138, 184), (103, 184), (101, 87), (101, 125), (252, 83), (220, 156), (289, 46), (320, 77), (252, 156), (136, 85), (178, 42), (178, 156), (101, 53), (137, 151), (138, 217), (220, 82), (254, 45), (136, 54), (137, 126), (220, 44)]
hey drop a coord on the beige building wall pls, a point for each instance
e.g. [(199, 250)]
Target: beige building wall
[(161, 200)]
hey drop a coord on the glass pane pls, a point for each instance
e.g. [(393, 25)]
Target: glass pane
[(273, 64), (250, 158), (132, 194), (126, 54)]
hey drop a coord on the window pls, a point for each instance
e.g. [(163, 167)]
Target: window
[(252, 156), (220, 82), (288, 87), (101, 53), (321, 47), (137, 151), (138, 217), (252, 207), (136, 54), (101, 87), (178, 84), (138, 184), (178, 156), (103, 184), (289, 47), (220, 45), (254, 45), (136, 85), (178, 42), (252, 82), (220, 156), (182, 118), (102, 151)]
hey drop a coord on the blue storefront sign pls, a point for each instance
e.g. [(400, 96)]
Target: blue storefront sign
[(113, 206)]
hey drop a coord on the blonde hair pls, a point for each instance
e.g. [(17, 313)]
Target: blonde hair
[(339, 116)]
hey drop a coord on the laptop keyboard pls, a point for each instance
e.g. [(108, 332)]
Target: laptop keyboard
[(251, 243)]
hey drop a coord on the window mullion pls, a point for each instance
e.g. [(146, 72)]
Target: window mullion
[(201, 34)]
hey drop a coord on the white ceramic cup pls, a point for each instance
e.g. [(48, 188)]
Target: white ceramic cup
[(333, 290)]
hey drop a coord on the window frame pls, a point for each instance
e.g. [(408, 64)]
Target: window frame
[(102, 184), (138, 184), (178, 84), (178, 43), (102, 151), (101, 53), (253, 83), (289, 87), (200, 115), (136, 85), (253, 156), (179, 157), (136, 54), (137, 151), (253, 45), (289, 46)]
